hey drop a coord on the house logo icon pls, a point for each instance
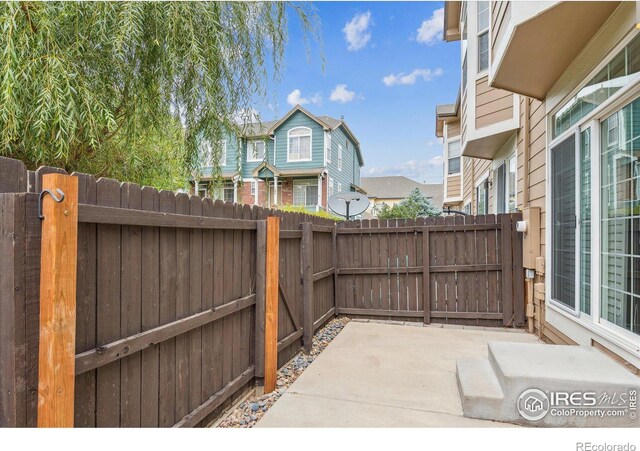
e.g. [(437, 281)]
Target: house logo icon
[(533, 404)]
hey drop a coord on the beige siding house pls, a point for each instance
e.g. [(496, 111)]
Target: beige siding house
[(549, 124), (390, 190)]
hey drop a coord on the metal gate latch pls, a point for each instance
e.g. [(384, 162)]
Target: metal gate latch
[(55, 198)]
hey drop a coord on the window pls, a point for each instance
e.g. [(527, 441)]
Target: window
[(614, 76), (328, 148), (305, 193), (339, 157), (225, 192), (483, 51), (483, 36), (512, 194), (273, 198), (209, 153), (453, 155), (254, 187), (255, 150), (467, 208), (585, 221), (620, 221), (482, 197), (339, 187), (299, 148), (483, 16), (506, 186), (563, 233), (203, 189), (331, 188)]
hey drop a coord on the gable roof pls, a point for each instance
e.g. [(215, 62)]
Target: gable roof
[(266, 128), (448, 112), (399, 187), (303, 111)]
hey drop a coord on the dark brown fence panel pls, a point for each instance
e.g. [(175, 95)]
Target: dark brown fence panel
[(468, 272)]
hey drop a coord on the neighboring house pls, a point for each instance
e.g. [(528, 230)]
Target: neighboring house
[(548, 122), (300, 159), (393, 189)]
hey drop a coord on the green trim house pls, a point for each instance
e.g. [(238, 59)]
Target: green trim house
[(300, 159)]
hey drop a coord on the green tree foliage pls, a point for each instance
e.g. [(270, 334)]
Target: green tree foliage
[(417, 205), (131, 89)]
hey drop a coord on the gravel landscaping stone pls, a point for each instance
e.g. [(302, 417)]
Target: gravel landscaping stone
[(250, 411)]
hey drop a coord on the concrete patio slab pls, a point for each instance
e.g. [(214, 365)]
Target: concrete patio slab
[(385, 375)]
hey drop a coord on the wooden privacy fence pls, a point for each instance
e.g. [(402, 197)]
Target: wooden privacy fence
[(170, 300), (465, 270), (182, 302)]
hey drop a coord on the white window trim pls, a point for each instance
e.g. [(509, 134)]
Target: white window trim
[(457, 139), (306, 182), (328, 145), (480, 181), (599, 326), (289, 159), (483, 72), (254, 141), (339, 187), (340, 157)]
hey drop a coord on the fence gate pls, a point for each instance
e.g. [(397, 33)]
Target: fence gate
[(465, 270)]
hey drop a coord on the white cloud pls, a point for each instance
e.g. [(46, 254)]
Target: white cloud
[(429, 171), (295, 98), (431, 28), (342, 94), (412, 77), (356, 31)]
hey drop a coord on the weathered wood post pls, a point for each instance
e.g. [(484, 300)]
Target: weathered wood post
[(271, 304), (426, 294), (56, 363), (261, 289), (306, 257)]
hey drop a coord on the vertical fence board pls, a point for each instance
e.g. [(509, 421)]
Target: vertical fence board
[(168, 267), (85, 396), (150, 312), (307, 257), (108, 306), (12, 339), (195, 306), (131, 309)]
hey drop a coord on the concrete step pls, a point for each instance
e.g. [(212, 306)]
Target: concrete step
[(480, 391), (553, 370)]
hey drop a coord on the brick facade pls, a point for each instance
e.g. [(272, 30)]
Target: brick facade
[(244, 195)]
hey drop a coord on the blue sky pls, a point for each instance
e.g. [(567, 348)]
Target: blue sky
[(386, 68)]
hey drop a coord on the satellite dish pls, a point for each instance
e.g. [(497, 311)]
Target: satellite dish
[(348, 204)]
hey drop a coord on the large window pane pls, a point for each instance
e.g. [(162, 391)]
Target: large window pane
[(620, 182), (585, 221), (615, 75), (563, 210), (483, 51)]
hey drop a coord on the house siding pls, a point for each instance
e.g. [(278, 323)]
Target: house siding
[(350, 165), (492, 105), (500, 15), (299, 119)]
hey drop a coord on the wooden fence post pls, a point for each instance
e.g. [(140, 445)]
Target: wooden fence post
[(507, 270), (426, 286), (306, 257), (56, 363), (271, 304), (261, 266)]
